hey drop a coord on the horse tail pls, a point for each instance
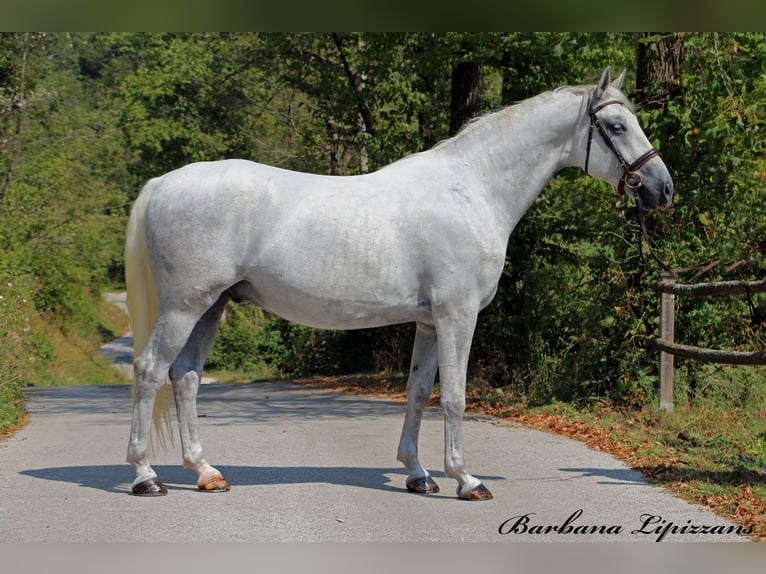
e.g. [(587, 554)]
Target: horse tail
[(143, 303)]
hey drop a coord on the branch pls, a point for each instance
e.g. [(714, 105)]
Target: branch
[(709, 355), (715, 288), (364, 110)]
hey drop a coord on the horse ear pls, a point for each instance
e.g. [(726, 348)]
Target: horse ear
[(618, 82), (603, 83)]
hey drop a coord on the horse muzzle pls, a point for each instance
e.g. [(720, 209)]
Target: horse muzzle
[(650, 192)]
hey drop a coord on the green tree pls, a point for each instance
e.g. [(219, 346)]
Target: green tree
[(64, 210), (184, 98)]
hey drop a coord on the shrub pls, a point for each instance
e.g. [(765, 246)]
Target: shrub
[(19, 350)]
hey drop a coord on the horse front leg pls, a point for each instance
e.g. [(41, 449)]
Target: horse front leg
[(186, 374), (455, 333), (421, 379)]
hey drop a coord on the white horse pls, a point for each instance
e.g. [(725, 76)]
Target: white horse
[(423, 239)]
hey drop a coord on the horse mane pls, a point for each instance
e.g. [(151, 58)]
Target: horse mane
[(510, 110), (514, 108), (589, 89)]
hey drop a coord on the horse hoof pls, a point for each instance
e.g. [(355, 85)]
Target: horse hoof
[(478, 493), (150, 487), (214, 484), (423, 484)]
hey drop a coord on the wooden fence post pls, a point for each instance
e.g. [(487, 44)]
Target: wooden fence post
[(667, 333)]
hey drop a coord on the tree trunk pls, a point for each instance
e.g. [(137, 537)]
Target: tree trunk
[(466, 94), (334, 149), (506, 90), (658, 68), (357, 85)]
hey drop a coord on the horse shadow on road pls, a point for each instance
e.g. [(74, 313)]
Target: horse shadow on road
[(112, 478)]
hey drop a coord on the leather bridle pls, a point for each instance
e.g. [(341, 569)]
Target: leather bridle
[(630, 178), (629, 172)]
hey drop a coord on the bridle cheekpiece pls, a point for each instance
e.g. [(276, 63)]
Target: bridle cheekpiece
[(630, 178)]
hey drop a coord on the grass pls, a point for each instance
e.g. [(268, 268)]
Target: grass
[(75, 359), (12, 414), (260, 373), (58, 357)]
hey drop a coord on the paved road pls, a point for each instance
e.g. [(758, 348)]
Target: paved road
[(310, 465)]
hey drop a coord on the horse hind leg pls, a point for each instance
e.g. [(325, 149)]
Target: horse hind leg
[(171, 333), (421, 379), (185, 374)]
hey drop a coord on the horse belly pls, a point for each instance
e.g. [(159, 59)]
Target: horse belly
[(345, 308)]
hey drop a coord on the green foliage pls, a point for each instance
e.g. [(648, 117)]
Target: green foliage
[(243, 340), (716, 151), (184, 98), (19, 349), (63, 215), (250, 339)]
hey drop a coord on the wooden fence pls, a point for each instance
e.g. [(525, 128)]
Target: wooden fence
[(666, 344)]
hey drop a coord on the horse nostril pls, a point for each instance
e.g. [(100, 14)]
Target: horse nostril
[(667, 190)]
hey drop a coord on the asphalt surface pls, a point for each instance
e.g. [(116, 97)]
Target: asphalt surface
[(313, 465)]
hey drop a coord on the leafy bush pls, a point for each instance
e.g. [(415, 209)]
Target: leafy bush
[(19, 350), (243, 341), (249, 338)]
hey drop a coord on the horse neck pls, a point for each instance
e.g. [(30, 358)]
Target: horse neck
[(513, 153)]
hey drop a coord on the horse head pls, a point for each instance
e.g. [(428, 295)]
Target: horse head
[(619, 152)]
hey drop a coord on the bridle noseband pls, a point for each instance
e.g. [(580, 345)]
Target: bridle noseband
[(630, 176)]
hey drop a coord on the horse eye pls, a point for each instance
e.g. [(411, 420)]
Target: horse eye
[(618, 128)]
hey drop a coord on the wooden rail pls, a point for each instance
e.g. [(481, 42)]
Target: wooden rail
[(666, 344)]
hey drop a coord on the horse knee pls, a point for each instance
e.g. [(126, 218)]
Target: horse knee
[(453, 406), (418, 397), (147, 377)]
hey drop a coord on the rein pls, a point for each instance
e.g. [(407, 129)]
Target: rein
[(645, 233), (630, 176)]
